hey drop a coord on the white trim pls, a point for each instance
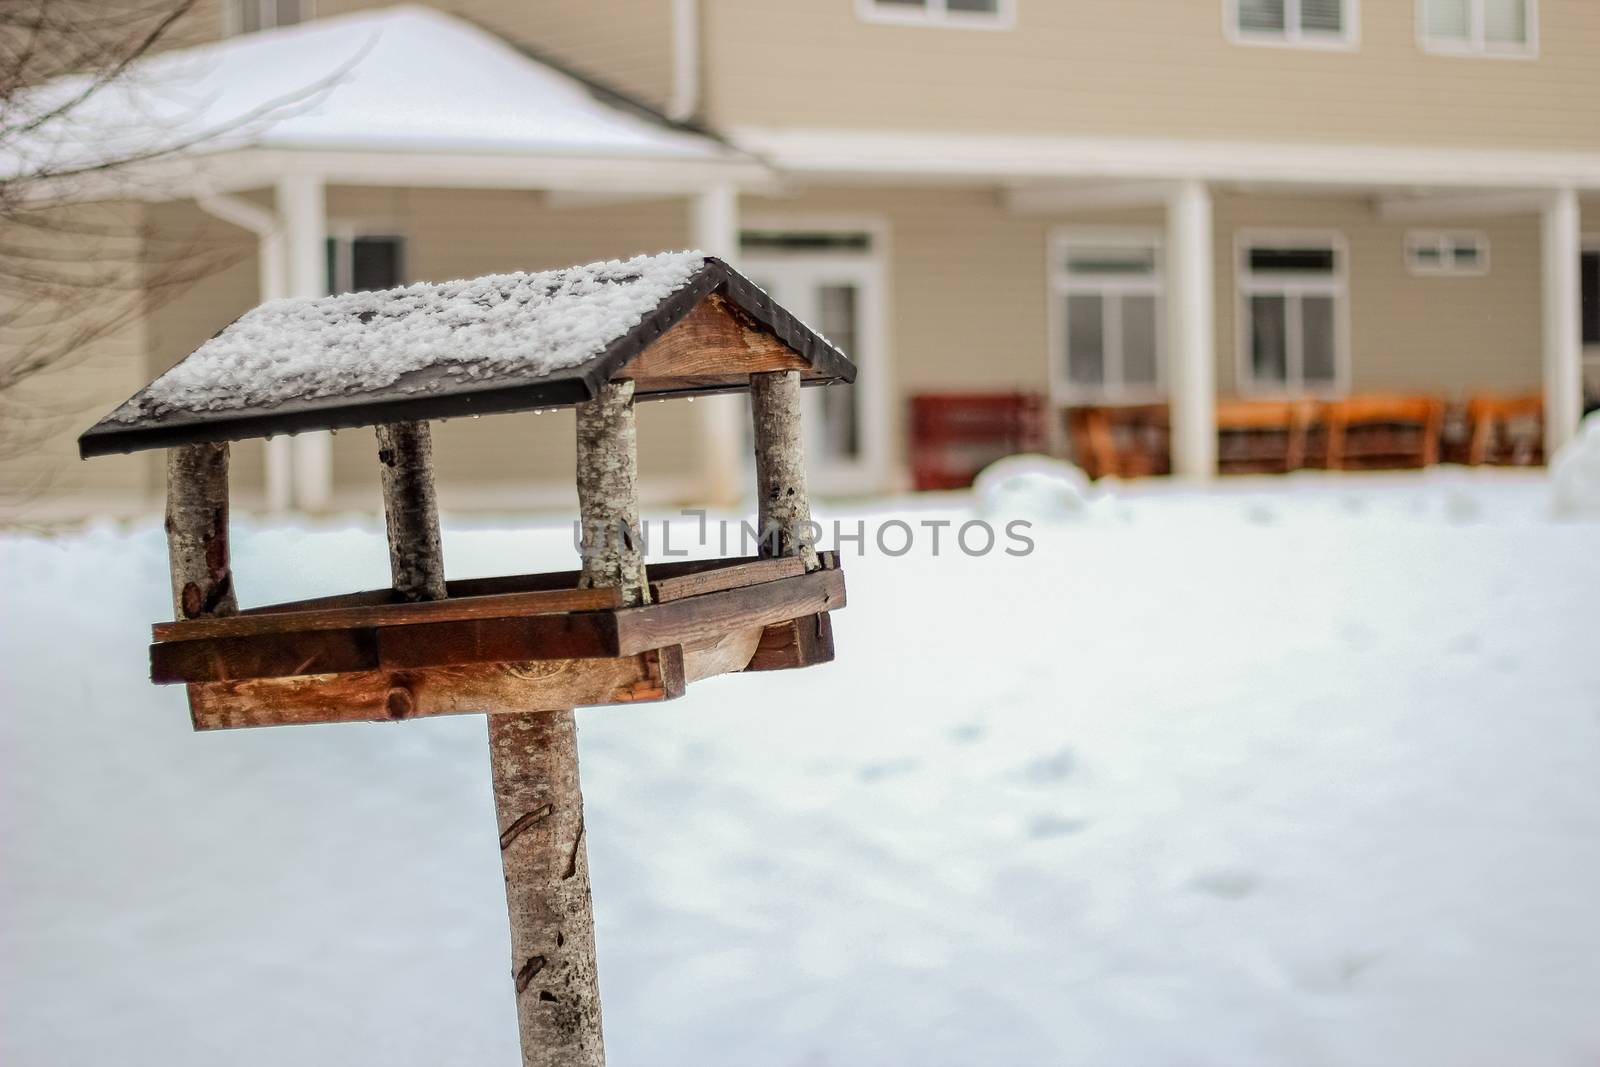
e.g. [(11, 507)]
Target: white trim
[(1293, 35), (1476, 46), (1337, 286), (871, 472), (1059, 284), (887, 155), (1461, 206), (1445, 243), (232, 27), (935, 13), (1066, 199)]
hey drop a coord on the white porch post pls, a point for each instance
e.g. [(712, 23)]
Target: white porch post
[(1191, 361), (714, 224), (302, 207), (1563, 338)]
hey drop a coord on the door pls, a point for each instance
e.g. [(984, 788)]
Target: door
[(840, 295)]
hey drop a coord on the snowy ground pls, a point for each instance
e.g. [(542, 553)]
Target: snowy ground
[(1302, 772)]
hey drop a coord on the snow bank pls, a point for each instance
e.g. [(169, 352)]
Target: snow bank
[(525, 325), (1575, 473), (1033, 487), (1188, 788)]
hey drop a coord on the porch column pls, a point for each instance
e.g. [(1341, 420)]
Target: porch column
[(1191, 333), (1563, 336), (303, 209), (714, 228)]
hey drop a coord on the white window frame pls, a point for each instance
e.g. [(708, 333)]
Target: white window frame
[(937, 14), (1445, 242), (1336, 285), (344, 234), (870, 472), (1293, 36), (233, 25), (1476, 43), (1060, 284)]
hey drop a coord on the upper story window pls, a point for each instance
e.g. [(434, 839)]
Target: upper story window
[(1308, 23), (973, 14), (1434, 252), (248, 16), (1480, 27), (1292, 315)]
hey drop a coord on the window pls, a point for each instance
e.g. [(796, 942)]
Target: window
[(1310, 23), (974, 14), (1479, 27), (1432, 252), (358, 264), (248, 16), (1107, 317), (1589, 278), (1292, 315)]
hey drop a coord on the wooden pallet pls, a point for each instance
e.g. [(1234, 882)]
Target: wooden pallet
[(523, 643)]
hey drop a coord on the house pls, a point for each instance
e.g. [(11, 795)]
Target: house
[(1092, 199)]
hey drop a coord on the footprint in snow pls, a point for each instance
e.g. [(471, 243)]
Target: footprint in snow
[(1045, 826), (877, 772), (1226, 883), (967, 733), (1045, 770)]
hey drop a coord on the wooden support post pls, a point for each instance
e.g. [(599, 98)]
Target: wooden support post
[(539, 804), (411, 511), (608, 494), (197, 531), (784, 510)]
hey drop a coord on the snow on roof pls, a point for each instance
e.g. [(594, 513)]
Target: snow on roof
[(521, 325), (405, 78)]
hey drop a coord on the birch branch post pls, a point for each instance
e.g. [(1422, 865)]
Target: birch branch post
[(784, 516), (197, 531), (411, 510)]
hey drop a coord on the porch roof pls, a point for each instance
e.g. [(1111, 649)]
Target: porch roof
[(405, 82)]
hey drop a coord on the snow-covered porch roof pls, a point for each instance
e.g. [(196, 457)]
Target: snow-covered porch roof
[(405, 95)]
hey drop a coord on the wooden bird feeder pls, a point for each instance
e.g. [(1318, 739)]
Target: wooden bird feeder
[(525, 649)]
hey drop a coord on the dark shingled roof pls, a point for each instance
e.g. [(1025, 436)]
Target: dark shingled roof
[(442, 391)]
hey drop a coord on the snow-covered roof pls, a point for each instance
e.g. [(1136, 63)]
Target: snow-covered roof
[(504, 342), (405, 78)]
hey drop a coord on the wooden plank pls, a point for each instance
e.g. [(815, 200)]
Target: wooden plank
[(493, 586), (388, 696), (734, 577), (727, 654), (797, 643), (714, 341), (536, 602), (512, 640), (699, 619), (267, 656)]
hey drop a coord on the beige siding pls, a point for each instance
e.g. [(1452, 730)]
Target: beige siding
[(454, 234), (626, 44), (1160, 68), (39, 466), (969, 306)]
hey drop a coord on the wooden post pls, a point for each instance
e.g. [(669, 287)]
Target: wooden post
[(411, 510), (539, 804), (781, 467), (197, 531), (608, 494)]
